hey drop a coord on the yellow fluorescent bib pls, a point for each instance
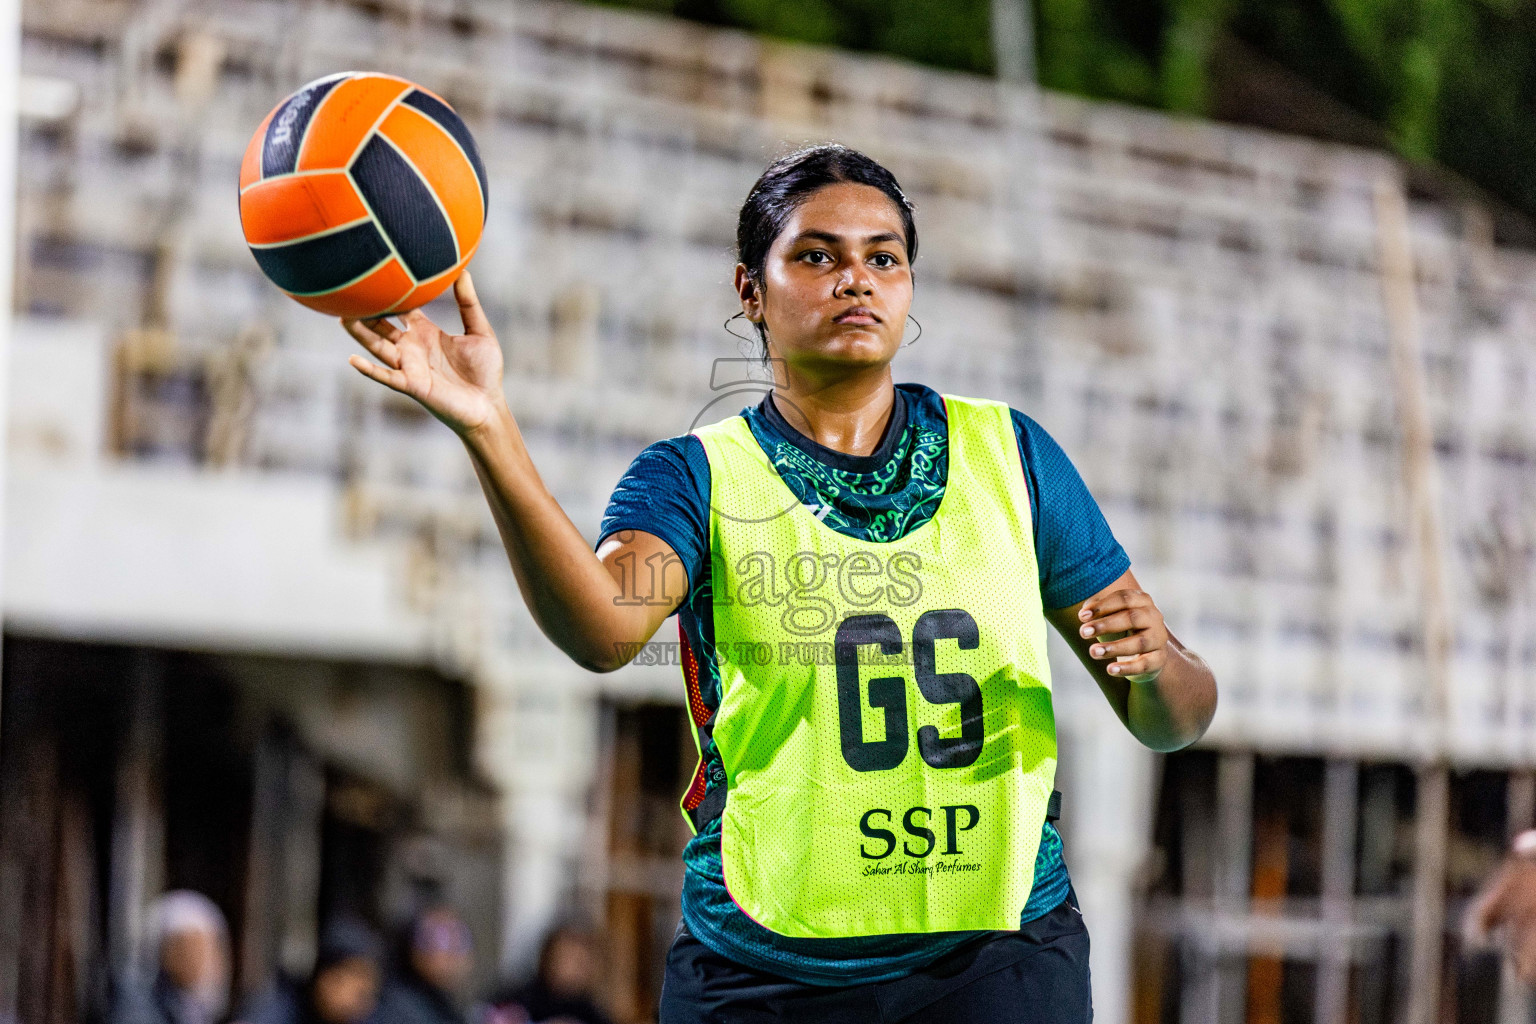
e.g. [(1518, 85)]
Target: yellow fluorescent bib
[(885, 718)]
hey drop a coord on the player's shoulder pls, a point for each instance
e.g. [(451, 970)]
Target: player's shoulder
[(924, 404), (924, 394), (675, 446), (1026, 427), (673, 464), (1030, 429), (1049, 467)]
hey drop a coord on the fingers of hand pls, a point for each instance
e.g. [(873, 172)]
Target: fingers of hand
[(379, 345), (418, 323), (1119, 622), (1136, 643), (1118, 601), (385, 375), (384, 328), (1149, 665), (470, 311)]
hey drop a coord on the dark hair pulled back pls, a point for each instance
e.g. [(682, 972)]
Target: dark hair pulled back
[(788, 182)]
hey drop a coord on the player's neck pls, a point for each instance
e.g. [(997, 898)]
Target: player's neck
[(848, 415)]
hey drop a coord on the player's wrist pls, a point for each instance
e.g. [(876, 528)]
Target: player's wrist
[(495, 429)]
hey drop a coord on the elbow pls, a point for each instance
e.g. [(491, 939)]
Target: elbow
[(1210, 713), (1170, 744), (1185, 722), (1207, 706), (1202, 717), (605, 658), (1189, 738), (605, 647), (593, 662)]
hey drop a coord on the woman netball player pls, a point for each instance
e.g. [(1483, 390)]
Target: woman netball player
[(870, 568)]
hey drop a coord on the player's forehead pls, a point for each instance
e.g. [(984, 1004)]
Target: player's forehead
[(844, 213)]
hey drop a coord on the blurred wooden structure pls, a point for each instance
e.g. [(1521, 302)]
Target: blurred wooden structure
[(127, 771)]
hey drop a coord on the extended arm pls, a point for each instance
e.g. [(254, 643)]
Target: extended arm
[(1163, 692), (596, 607)]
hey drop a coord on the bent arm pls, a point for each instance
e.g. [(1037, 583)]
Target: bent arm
[(1164, 693), (599, 608)]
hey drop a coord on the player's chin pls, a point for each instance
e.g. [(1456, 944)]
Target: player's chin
[(863, 347)]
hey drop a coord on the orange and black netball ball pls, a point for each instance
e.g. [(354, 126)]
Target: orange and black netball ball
[(362, 194)]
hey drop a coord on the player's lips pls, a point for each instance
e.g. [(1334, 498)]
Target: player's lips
[(857, 315)]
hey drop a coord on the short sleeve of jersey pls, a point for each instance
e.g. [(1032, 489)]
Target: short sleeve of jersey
[(1078, 555), (665, 492)]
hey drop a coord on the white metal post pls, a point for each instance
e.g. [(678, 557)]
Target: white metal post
[(1013, 40)]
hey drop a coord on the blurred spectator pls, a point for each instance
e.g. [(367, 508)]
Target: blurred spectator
[(436, 959), (1505, 910), (187, 973), (342, 989), (564, 990)]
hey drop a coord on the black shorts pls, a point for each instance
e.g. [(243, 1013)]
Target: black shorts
[(1036, 975)]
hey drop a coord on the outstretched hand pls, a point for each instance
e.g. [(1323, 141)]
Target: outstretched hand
[(456, 377)]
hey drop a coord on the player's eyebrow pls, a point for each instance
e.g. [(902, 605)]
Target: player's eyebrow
[(833, 239)]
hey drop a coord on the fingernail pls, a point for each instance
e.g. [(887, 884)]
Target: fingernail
[(1114, 670), (1085, 614), (1086, 631), (1097, 652)]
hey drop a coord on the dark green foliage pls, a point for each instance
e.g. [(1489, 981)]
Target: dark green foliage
[(1450, 81), (945, 33), (1488, 111), (1101, 48)]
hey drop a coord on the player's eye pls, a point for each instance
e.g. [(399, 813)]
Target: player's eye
[(884, 259), (818, 257)]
